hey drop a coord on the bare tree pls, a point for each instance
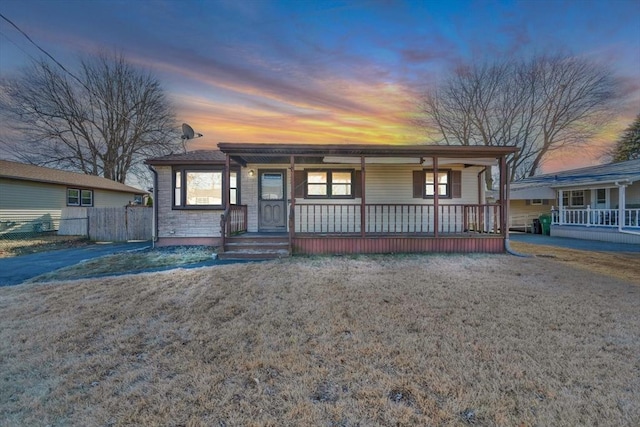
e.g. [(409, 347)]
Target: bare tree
[(103, 120), (540, 105)]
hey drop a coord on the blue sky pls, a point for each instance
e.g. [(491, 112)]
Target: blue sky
[(320, 71)]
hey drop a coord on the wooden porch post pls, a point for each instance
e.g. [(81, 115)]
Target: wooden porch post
[(436, 198), (227, 182), (292, 220), (226, 190), (504, 197), (363, 203)]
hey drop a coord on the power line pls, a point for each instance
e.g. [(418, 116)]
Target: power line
[(99, 98), (43, 51)]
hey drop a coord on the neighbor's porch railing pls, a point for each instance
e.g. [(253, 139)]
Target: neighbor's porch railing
[(596, 217), (396, 218)]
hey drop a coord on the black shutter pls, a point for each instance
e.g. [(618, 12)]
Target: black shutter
[(357, 184), (418, 184), (300, 181), (456, 184)]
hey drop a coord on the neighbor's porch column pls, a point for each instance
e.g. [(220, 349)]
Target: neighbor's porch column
[(560, 207), (622, 202)]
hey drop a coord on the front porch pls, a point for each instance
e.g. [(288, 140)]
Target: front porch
[(388, 228), (368, 199), (606, 225)]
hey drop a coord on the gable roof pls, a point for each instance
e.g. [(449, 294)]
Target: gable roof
[(607, 174), (26, 172)]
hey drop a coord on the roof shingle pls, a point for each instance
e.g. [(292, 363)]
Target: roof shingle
[(25, 172)]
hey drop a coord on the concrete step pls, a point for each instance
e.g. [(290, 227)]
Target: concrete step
[(253, 254)]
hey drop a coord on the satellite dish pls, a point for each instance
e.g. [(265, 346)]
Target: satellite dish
[(188, 133)]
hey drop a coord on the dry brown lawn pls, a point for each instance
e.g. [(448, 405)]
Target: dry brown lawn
[(329, 341)]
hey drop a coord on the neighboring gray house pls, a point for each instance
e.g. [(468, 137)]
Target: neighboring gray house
[(33, 197), (595, 203)]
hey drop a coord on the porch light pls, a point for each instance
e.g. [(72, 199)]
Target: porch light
[(251, 173)]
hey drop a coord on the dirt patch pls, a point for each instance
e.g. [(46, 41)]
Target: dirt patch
[(43, 243), (340, 341)]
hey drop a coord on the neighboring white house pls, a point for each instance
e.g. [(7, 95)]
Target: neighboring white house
[(595, 203), (33, 197)]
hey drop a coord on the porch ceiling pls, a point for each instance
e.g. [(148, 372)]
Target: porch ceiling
[(305, 153)]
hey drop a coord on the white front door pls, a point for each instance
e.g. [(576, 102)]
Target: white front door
[(601, 198)]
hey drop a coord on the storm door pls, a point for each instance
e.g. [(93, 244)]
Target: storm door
[(272, 201)]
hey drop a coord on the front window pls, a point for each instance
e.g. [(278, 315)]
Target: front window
[(78, 197), (442, 184), (233, 188), (573, 198), (601, 196), (577, 198), (330, 184), (536, 201), (200, 189)]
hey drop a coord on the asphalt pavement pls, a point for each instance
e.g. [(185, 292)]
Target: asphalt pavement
[(15, 270), (580, 244)]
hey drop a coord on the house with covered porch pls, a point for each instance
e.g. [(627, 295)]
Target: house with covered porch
[(276, 199), (595, 203)]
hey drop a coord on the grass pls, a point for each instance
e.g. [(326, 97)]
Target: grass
[(334, 341), (130, 262)]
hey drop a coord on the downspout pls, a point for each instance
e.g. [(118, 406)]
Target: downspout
[(480, 184), (504, 200), (154, 226)]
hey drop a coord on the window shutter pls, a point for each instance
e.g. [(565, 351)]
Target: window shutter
[(299, 178), (357, 184), (545, 202), (456, 184), (418, 184), (527, 202)]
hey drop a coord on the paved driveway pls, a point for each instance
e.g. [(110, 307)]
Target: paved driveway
[(16, 270), (565, 242)]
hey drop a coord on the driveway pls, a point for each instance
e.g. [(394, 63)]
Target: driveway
[(565, 242), (16, 270)]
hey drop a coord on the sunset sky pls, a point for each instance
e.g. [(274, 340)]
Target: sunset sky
[(322, 71)]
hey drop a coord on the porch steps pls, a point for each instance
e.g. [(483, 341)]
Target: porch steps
[(252, 246)]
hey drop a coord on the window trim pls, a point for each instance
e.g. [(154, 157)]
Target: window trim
[(183, 170), (448, 195), (329, 184), (569, 195), (80, 191)]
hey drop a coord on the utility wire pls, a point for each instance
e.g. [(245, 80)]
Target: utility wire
[(44, 51), (99, 98)]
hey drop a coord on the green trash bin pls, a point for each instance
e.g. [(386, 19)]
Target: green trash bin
[(545, 222)]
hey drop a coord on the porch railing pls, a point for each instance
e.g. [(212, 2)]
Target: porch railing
[(396, 218), (233, 220), (596, 217)]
